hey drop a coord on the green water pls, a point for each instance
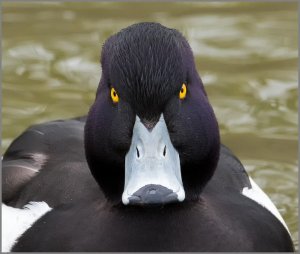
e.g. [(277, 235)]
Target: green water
[(246, 54)]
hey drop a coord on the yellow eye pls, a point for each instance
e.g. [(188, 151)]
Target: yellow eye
[(114, 95), (182, 92)]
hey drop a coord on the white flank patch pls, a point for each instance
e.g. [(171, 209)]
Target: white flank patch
[(16, 221), (257, 194)]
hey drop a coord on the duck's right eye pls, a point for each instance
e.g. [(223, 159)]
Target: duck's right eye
[(114, 95), (182, 93)]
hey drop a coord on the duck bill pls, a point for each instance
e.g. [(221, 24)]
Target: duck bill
[(152, 167)]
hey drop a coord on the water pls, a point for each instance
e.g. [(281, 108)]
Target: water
[(246, 54)]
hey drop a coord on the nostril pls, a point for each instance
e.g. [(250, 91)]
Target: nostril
[(137, 152), (165, 151)]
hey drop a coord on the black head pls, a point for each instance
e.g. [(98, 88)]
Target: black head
[(147, 64)]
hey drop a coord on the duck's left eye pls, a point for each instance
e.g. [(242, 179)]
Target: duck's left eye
[(114, 95), (182, 93)]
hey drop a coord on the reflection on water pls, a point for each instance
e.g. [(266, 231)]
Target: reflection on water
[(246, 54)]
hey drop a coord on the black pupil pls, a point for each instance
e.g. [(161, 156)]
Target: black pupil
[(182, 90), (115, 94)]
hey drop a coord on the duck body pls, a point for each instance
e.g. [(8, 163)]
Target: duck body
[(34, 169), (145, 169), (210, 224), (221, 220)]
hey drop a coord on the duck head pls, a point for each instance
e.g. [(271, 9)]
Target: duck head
[(151, 136)]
